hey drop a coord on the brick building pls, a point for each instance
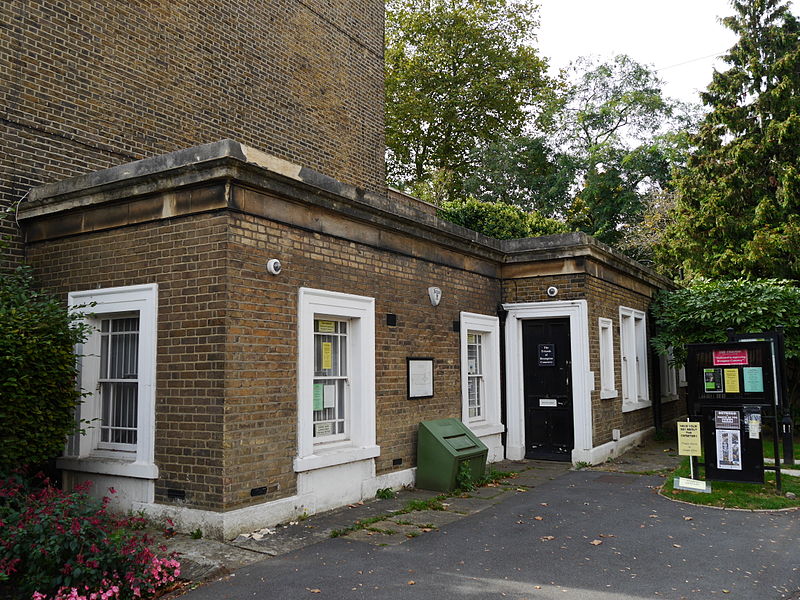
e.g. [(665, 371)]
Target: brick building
[(230, 394), (89, 85)]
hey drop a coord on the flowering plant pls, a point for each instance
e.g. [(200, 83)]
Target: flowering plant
[(59, 545)]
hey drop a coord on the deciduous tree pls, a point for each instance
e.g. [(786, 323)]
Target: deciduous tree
[(624, 137), (460, 74)]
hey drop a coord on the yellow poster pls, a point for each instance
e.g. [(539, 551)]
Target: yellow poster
[(327, 355), (327, 326), (732, 381), (688, 438)]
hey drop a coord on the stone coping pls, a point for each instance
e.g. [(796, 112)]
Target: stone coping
[(231, 161)]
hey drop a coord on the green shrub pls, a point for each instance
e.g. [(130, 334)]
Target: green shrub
[(702, 311), (37, 371), (499, 220)]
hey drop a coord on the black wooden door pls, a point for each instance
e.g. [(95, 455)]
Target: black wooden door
[(547, 380)]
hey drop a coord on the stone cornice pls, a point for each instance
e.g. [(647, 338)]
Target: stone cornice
[(72, 206)]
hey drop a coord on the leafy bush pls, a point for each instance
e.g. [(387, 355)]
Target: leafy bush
[(59, 546), (701, 312), (37, 371), (499, 220)]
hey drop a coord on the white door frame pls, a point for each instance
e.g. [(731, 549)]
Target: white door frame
[(582, 378)]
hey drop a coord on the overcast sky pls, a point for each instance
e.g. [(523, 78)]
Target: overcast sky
[(678, 37)]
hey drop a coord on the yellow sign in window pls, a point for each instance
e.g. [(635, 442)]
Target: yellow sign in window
[(327, 356)]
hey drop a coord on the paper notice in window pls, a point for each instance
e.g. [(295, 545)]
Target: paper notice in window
[(329, 396), (326, 326), (318, 395), (327, 356), (323, 429)]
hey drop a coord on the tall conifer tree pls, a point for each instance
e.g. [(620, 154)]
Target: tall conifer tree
[(739, 197)]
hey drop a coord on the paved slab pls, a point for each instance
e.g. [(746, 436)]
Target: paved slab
[(598, 536)]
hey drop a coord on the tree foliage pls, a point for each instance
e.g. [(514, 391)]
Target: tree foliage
[(498, 219), (701, 312), (460, 74), (37, 371), (739, 203), (624, 138), (640, 239), (524, 171)]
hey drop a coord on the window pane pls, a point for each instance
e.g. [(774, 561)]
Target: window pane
[(330, 379), (119, 359)]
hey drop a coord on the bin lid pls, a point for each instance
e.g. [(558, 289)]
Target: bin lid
[(460, 442), (453, 435)]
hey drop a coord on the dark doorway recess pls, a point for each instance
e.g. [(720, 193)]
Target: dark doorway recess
[(547, 380)]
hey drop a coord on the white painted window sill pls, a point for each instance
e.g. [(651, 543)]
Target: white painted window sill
[(108, 466), (482, 429), (633, 406), (329, 457), (608, 394)]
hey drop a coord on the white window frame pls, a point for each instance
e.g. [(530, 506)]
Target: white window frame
[(84, 452), (633, 359), (669, 376), (360, 444), (489, 329), (607, 375)]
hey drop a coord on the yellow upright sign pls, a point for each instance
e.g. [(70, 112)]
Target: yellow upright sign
[(688, 438)]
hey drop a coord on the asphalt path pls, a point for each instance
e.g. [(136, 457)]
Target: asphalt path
[(585, 535)]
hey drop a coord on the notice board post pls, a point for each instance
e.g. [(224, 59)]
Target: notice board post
[(732, 393)]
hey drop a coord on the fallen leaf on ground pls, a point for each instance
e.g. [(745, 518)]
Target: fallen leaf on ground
[(607, 535), (539, 518), (546, 538), (411, 582), (687, 518), (521, 490), (542, 503), (596, 542), (676, 545), (314, 590)]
